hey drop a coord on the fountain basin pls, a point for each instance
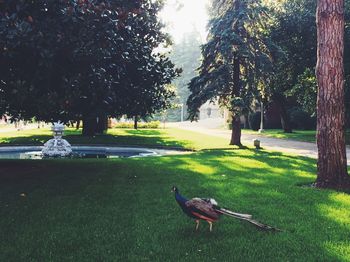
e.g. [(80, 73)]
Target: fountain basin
[(34, 152)]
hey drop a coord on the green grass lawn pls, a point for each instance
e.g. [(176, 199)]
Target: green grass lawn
[(122, 209), (299, 135), (168, 138)]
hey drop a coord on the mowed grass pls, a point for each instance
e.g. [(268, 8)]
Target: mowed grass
[(163, 138), (298, 135), (122, 209)]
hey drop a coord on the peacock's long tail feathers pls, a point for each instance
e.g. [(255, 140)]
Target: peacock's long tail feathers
[(234, 214), (247, 218)]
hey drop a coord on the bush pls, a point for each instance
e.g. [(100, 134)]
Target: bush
[(152, 124), (254, 121), (301, 119)]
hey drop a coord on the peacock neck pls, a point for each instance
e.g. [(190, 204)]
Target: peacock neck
[(180, 199)]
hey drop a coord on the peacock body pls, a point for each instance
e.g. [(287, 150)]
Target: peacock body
[(207, 209)]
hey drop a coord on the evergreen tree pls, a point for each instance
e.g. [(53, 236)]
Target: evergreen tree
[(235, 59)]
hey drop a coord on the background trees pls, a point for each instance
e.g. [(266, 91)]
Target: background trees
[(187, 56), (294, 31), (293, 82), (82, 60)]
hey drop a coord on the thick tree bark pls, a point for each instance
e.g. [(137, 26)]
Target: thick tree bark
[(236, 121), (246, 121), (102, 124), (89, 126), (236, 131), (135, 122), (281, 102), (285, 120), (77, 124), (331, 165), (93, 125)]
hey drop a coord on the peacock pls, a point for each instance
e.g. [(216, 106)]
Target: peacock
[(207, 209)]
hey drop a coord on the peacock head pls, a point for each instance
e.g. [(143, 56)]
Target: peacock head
[(174, 189)]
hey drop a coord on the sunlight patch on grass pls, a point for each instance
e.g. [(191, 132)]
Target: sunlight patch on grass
[(197, 167), (200, 141), (339, 249), (340, 210), (297, 135)]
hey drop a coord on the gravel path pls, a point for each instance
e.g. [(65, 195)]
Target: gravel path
[(214, 127)]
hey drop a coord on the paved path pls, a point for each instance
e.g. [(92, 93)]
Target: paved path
[(212, 127)]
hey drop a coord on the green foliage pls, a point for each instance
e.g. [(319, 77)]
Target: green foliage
[(235, 58), (305, 91), (151, 125), (82, 59), (294, 31), (301, 119), (254, 120)]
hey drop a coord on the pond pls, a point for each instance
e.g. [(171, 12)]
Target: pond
[(34, 152)]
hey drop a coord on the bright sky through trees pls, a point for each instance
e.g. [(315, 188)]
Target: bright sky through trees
[(184, 16)]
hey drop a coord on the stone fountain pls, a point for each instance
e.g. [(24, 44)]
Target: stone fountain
[(57, 147)]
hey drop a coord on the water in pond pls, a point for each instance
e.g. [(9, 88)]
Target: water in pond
[(14, 153)]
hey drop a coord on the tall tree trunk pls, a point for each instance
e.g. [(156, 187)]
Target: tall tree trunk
[(135, 122), (236, 131), (331, 165), (236, 120), (246, 121), (78, 124), (102, 124), (281, 102), (285, 120), (89, 126)]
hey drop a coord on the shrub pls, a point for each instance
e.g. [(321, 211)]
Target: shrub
[(254, 120), (152, 125), (301, 119)]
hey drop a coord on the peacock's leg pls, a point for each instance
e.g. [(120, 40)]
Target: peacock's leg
[(197, 224), (210, 226)]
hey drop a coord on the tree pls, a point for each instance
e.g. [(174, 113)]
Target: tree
[(294, 31), (294, 68), (305, 91), (332, 164), (75, 59), (234, 59), (147, 88)]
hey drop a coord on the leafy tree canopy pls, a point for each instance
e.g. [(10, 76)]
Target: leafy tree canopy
[(73, 59)]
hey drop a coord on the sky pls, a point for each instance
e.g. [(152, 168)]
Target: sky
[(185, 16)]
